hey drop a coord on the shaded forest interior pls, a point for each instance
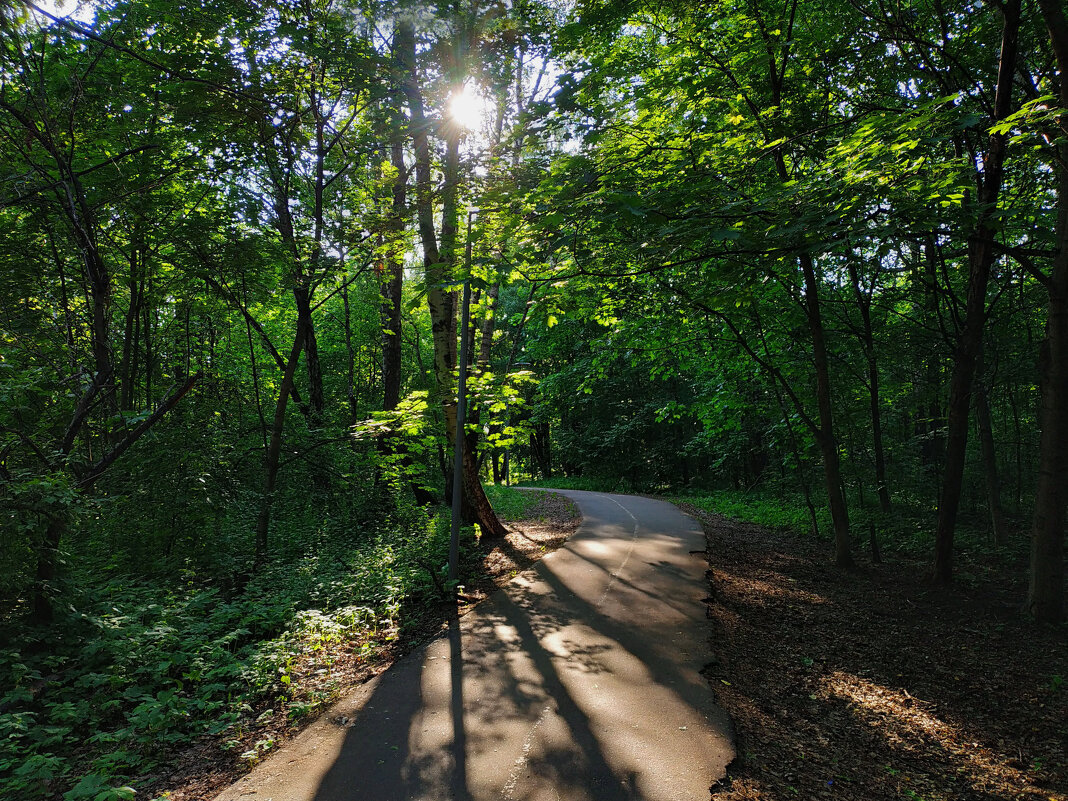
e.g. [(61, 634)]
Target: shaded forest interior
[(805, 263)]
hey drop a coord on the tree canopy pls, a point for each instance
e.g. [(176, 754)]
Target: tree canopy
[(814, 251)]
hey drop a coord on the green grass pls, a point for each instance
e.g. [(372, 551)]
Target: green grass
[(764, 510), (588, 483), (510, 503)]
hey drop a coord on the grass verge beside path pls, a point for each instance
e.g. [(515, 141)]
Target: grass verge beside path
[(874, 685)]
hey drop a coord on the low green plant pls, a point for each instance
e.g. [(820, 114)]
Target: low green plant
[(134, 664)]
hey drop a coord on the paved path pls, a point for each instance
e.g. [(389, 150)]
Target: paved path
[(578, 682)]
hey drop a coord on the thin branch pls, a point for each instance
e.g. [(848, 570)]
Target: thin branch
[(98, 469), (170, 73)]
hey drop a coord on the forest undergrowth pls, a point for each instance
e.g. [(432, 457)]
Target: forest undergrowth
[(874, 684), (164, 689)]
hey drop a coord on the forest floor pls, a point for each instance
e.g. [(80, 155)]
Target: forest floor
[(874, 684), (214, 763)]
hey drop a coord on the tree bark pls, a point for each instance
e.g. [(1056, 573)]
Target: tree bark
[(540, 449), (832, 472), (350, 383), (980, 260), (990, 461), (868, 343), (440, 265), (1045, 593), (274, 448), (393, 272), (41, 611)]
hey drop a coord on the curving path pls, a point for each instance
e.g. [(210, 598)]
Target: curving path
[(578, 681)]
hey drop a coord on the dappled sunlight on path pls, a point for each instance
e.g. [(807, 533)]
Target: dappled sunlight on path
[(579, 680)]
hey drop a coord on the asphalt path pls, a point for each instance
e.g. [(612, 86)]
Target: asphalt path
[(579, 681)]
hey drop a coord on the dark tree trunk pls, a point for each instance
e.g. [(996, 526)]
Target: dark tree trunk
[(274, 448), (990, 461), (1045, 595), (867, 339), (41, 612), (316, 399), (393, 273), (541, 450), (350, 383), (980, 260), (832, 472)]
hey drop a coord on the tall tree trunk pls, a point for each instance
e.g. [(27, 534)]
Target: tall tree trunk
[(316, 399), (440, 265), (1045, 594), (302, 294), (990, 461), (274, 448), (930, 420), (130, 345), (41, 611), (980, 260), (868, 343), (832, 472), (394, 272), (824, 428), (350, 383)]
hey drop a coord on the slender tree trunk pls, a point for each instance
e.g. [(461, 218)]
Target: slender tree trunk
[(274, 448), (990, 461), (1045, 595), (316, 399), (350, 383), (394, 273), (440, 265), (41, 612), (133, 313), (824, 429), (146, 329), (868, 343), (980, 260), (832, 472), (302, 293)]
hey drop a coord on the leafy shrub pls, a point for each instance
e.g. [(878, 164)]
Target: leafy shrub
[(137, 664)]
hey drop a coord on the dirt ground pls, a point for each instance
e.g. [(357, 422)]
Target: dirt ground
[(205, 769), (874, 684)]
